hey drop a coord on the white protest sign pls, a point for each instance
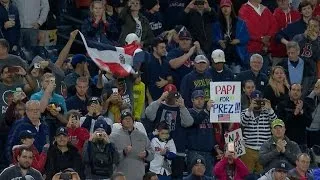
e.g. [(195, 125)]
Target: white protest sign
[(226, 98), (236, 137)]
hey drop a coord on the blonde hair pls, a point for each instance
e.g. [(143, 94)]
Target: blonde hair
[(272, 81), (96, 2)]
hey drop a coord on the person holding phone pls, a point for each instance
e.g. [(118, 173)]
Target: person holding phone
[(230, 167), (255, 121)]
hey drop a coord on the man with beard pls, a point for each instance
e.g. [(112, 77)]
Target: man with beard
[(255, 121), (99, 154), (23, 168)]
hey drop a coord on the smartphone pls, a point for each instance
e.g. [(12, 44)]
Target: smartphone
[(13, 69), (231, 147), (36, 65), (53, 80), (199, 2), (115, 90)]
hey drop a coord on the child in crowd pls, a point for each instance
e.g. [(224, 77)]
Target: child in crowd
[(165, 151), (139, 97), (39, 159)]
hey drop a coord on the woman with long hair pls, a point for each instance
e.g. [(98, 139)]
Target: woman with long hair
[(278, 87), (231, 35)]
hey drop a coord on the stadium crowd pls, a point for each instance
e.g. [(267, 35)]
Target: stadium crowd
[(65, 117)]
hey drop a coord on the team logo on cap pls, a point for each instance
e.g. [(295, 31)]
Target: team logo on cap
[(29, 131), (198, 161), (283, 165), (61, 129)]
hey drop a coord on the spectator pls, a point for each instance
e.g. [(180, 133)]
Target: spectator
[(80, 100), (230, 34), (80, 66), (139, 97), (299, 71), (198, 19), (296, 114), (256, 129), (118, 176), (172, 37), (165, 150), (302, 167), (77, 135), (180, 59), (198, 166), (111, 105), (33, 15), (26, 140), (308, 41), (255, 74), (100, 155), (16, 110), (248, 88), (314, 128), (298, 27), (154, 17), (253, 13), (201, 130), (23, 168), (230, 167), (170, 108), (97, 27), (134, 22), (278, 148), (32, 123), (94, 114), (9, 59), (284, 15), (62, 155), (133, 153), (150, 176), (157, 72), (52, 104), (279, 172), (219, 71), (10, 24), (198, 79), (278, 87), (174, 12), (69, 172)]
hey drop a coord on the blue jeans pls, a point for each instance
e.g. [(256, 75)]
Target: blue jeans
[(206, 155)]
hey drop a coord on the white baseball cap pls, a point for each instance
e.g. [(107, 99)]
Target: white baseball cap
[(131, 38), (218, 56), (200, 58)]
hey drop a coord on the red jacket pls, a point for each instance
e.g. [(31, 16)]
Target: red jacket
[(316, 11), (39, 160), (241, 170), (283, 19), (78, 137), (258, 26)]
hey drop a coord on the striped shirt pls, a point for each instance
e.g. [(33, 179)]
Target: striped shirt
[(256, 129)]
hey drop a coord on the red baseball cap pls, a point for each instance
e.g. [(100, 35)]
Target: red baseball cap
[(225, 3), (170, 88)]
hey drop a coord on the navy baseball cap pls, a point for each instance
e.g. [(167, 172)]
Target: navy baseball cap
[(94, 100), (26, 134), (62, 130), (256, 94), (197, 93), (78, 58), (102, 124)]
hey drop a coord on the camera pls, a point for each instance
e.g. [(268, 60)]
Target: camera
[(260, 102), (99, 134), (37, 65), (199, 2), (177, 95), (66, 176)]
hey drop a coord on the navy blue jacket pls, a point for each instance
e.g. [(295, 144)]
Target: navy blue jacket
[(201, 131), (291, 30), (156, 22), (74, 102), (183, 70), (260, 81), (174, 13), (225, 75), (195, 81), (12, 35), (193, 177)]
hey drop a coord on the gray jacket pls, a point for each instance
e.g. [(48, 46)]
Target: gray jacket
[(269, 157), (131, 165), (269, 175), (14, 172), (315, 125)]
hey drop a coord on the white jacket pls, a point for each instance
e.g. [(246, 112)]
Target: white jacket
[(156, 165), (32, 11)]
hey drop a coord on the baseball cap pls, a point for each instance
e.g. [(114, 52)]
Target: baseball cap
[(184, 34), (102, 124), (26, 134), (78, 58), (225, 3), (198, 160), (282, 166), (126, 114), (218, 56), (94, 100), (170, 88), (277, 122), (256, 94), (62, 130), (200, 59), (130, 38), (197, 93)]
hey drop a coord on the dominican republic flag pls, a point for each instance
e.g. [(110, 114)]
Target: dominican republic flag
[(117, 60)]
